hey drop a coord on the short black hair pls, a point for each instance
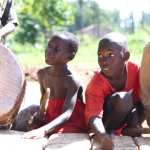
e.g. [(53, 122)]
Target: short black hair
[(116, 37), (72, 39)]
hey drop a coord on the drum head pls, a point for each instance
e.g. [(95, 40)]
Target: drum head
[(12, 82)]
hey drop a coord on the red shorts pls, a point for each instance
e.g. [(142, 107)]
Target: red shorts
[(76, 123)]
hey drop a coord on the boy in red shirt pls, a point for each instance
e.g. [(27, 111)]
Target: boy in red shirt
[(112, 96)]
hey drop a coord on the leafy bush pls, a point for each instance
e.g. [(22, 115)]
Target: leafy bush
[(136, 42)]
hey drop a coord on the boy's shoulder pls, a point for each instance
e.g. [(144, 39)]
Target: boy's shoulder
[(74, 76), (132, 64), (97, 75), (98, 81), (43, 71)]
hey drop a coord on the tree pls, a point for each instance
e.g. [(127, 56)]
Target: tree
[(93, 14), (129, 24), (144, 22), (40, 16)]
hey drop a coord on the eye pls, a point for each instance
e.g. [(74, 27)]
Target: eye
[(100, 56), (112, 55), (57, 48)]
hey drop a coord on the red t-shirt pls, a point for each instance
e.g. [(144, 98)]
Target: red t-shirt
[(99, 88)]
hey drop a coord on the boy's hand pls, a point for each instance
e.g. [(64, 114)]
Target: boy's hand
[(107, 142), (34, 134)]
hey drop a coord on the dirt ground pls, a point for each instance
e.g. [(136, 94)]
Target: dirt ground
[(32, 95)]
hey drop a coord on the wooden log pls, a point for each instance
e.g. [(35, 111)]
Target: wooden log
[(11, 140), (42, 107), (69, 141), (121, 143), (143, 143)]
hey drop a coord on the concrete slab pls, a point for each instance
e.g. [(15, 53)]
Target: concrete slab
[(122, 143), (143, 143), (11, 140), (69, 141)]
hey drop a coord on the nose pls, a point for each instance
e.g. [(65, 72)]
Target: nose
[(105, 60), (48, 50)]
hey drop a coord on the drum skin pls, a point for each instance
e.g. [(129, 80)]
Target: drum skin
[(12, 85)]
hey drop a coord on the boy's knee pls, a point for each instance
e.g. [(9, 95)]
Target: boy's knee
[(122, 101)]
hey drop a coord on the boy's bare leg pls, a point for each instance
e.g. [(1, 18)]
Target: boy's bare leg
[(141, 114), (144, 82), (141, 117), (21, 122), (136, 129), (119, 105)]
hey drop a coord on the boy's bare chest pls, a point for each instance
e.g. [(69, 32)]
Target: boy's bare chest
[(58, 87)]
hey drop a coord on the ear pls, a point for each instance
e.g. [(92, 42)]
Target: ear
[(126, 55), (71, 56)]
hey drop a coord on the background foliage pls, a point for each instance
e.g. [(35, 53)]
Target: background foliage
[(39, 19)]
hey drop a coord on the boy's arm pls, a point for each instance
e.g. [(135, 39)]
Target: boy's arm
[(135, 95), (68, 107), (70, 101), (7, 29), (40, 75), (9, 19), (107, 141)]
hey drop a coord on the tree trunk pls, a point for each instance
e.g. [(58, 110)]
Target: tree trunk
[(81, 22)]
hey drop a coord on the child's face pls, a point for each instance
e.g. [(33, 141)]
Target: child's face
[(57, 51), (110, 58)]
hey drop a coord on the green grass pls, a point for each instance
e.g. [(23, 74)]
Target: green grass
[(31, 59), (136, 43)]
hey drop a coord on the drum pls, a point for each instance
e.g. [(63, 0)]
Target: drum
[(12, 86)]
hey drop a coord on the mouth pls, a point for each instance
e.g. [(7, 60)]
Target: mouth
[(47, 57), (105, 69)]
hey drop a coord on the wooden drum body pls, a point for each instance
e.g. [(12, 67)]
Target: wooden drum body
[(12, 86)]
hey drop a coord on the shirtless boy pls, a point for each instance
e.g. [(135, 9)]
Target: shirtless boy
[(112, 96), (65, 111)]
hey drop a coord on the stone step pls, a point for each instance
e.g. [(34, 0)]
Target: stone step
[(11, 139), (69, 141), (143, 143), (122, 143)]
